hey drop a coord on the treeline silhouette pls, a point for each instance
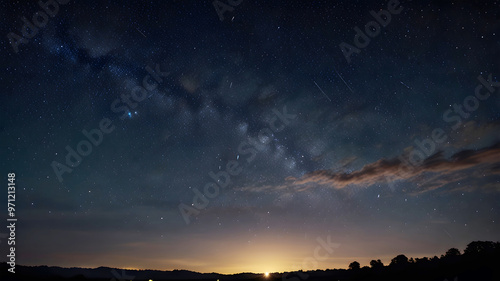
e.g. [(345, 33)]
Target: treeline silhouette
[(480, 260)]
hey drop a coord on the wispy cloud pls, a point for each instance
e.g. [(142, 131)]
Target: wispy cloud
[(435, 172), (438, 170)]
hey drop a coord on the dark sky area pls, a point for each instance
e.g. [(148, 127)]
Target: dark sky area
[(238, 136)]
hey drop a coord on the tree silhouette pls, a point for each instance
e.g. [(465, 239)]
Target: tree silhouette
[(480, 247), (423, 262), (453, 252), (400, 260), (354, 265), (376, 264)]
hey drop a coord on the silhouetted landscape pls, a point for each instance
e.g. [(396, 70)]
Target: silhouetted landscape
[(480, 260), (250, 140)]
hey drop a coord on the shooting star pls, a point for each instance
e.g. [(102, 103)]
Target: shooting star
[(448, 233), (407, 87), (141, 32), (343, 80), (321, 90)]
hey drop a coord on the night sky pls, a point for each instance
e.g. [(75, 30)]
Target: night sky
[(231, 137)]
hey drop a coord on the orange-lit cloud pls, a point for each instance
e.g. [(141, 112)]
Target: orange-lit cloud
[(434, 172), (385, 170)]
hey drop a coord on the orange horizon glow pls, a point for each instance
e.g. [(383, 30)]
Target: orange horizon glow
[(267, 252), (265, 267), (230, 270)]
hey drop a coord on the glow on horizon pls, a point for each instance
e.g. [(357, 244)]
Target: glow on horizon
[(267, 252)]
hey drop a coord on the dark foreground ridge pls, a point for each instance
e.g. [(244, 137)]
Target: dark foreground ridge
[(480, 261)]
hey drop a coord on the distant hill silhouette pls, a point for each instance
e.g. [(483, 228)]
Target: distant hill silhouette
[(480, 261)]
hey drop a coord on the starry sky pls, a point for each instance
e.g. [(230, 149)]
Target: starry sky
[(233, 137)]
